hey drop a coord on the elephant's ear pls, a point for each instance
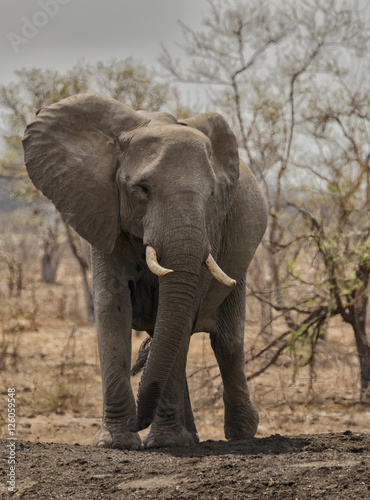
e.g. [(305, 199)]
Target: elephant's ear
[(71, 155), (225, 159)]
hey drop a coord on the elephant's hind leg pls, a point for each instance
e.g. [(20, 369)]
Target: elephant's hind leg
[(241, 416)]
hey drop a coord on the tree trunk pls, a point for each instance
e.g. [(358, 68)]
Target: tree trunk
[(51, 250), (358, 316), (84, 267), (49, 262)]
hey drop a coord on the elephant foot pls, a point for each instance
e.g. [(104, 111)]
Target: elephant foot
[(162, 437), (241, 421), (114, 436), (194, 435)]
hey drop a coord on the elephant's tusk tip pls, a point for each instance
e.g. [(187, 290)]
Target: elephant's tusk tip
[(168, 271), (218, 273), (152, 263)]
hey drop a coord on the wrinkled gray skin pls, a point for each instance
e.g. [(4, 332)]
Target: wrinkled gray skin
[(125, 180)]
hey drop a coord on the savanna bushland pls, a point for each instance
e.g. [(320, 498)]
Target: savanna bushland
[(293, 81)]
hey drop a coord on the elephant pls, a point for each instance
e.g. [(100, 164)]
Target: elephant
[(172, 217)]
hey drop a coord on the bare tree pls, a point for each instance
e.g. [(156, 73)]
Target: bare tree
[(338, 217), (51, 249), (130, 82), (84, 266)]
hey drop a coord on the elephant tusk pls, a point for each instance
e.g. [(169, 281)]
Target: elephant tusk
[(152, 262), (218, 273)]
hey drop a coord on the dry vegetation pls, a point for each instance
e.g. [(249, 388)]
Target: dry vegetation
[(48, 352)]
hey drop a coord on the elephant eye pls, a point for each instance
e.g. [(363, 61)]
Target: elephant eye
[(144, 189)]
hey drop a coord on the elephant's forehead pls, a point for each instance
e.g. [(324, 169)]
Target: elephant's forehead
[(154, 149), (169, 137)]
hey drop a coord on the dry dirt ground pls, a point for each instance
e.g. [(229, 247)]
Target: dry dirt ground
[(313, 440), (332, 466)]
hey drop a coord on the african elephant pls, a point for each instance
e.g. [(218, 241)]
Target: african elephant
[(173, 218)]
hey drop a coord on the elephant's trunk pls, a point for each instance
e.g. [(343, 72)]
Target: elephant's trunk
[(183, 251)]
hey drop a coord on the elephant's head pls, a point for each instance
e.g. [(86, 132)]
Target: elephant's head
[(108, 169)]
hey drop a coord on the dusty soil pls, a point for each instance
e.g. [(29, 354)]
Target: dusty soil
[(334, 466)]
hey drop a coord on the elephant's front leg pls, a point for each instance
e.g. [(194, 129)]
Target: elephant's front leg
[(114, 317), (241, 416), (173, 424)]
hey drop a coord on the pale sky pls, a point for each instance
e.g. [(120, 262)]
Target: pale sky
[(57, 33)]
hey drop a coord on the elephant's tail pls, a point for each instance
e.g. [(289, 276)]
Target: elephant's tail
[(142, 356)]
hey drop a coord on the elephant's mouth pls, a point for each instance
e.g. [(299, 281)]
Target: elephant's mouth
[(212, 266)]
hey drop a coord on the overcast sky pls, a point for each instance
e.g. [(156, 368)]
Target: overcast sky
[(57, 33)]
